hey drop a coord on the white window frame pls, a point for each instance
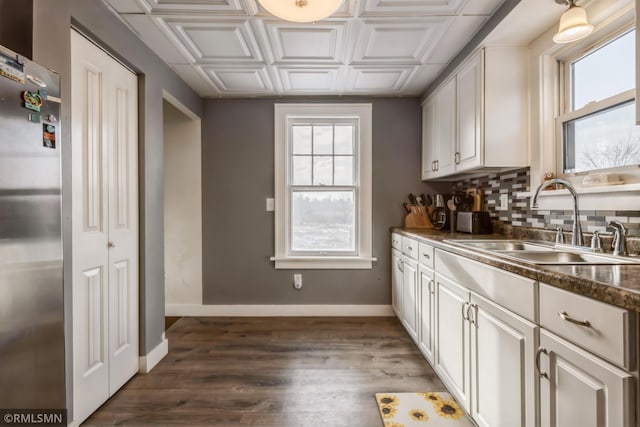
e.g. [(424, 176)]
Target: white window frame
[(284, 115), (566, 115)]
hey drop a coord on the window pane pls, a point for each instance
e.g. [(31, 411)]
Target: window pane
[(344, 140), (301, 170), (323, 221), (322, 170), (301, 139), (605, 72), (323, 140), (602, 140), (343, 170)]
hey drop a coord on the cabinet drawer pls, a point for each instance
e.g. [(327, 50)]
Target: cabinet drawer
[(426, 255), (610, 331), (410, 247), (396, 241)]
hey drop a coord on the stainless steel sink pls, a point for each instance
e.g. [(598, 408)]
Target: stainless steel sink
[(504, 245), (542, 252), (563, 257)]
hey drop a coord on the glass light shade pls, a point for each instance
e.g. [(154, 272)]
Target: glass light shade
[(301, 11), (573, 26)]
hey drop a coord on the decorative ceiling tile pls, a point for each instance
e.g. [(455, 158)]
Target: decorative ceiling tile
[(216, 40), (234, 48), (399, 41), (322, 42), (240, 80), (388, 79), (129, 6), (159, 37), (309, 79), (457, 36), (481, 7), (411, 7), (198, 79), (214, 7)]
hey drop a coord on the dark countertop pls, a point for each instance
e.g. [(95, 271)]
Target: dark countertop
[(614, 284)]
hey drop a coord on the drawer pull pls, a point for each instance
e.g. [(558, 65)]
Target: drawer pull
[(538, 352), (426, 256), (564, 316), (410, 248)]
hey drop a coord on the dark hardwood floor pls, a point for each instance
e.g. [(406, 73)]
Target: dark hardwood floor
[(279, 372)]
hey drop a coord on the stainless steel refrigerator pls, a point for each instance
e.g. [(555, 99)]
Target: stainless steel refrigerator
[(32, 364)]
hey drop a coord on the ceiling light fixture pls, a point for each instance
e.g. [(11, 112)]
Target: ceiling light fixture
[(301, 10), (573, 23)]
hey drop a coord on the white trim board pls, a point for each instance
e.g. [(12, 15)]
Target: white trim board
[(148, 362), (287, 310)]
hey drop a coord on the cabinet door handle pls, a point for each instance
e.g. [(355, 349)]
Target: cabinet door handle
[(465, 310), (457, 158), (432, 287), (433, 166), (110, 244), (437, 165), (471, 318), (400, 265), (564, 316), (538, 352)]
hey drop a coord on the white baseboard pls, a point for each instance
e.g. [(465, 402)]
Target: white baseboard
[(148, 362), (286, 310)]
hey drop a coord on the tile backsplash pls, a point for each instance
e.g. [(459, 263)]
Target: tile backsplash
[(519, 214)]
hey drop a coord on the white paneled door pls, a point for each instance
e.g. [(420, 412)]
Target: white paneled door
[(105, 225)]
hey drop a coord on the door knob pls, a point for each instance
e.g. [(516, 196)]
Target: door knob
[(111, 244)]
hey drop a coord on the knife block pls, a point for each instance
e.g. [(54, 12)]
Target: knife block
[(418, 218)]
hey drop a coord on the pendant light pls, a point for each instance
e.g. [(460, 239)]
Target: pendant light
[(301, 10), (573, 23)]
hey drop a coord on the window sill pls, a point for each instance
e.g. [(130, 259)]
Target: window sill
[(608, 197), (323, 263)]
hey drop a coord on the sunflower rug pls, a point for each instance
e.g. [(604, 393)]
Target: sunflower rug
[(420, 409)]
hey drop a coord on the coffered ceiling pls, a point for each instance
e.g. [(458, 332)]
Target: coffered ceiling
[(234, 48)]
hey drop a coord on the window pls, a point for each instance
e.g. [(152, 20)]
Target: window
[(323, 185), (597, 126)]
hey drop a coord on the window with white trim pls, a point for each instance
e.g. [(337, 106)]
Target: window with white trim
[(323, 185), (597, 122)]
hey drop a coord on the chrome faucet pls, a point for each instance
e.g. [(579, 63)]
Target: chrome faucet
[(619, 243), (576, 230)]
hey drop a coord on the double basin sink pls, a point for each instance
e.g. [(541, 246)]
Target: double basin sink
[(542, 253)]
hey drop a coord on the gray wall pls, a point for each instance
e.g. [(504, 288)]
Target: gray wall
[(238, 234), (51, 47)]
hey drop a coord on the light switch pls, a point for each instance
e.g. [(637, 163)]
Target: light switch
[(271, 204)]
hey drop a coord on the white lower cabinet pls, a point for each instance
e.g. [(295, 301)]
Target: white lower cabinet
[(580, 389), (396, 282), (512, 351), (426, 284), (503, 378), (485, 354), (410, 306), (452, 352)]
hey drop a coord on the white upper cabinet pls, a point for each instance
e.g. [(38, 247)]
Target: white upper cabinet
[(469, 103), (479, 118)]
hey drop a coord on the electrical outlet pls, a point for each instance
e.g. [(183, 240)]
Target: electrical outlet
[(271, 204), (297, 281), (503, 204)]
